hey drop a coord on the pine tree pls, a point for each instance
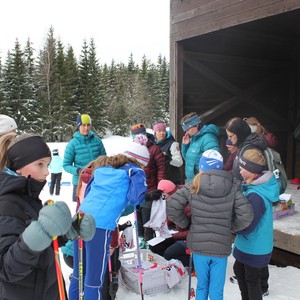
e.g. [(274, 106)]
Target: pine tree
[(47, 88), (16, 90)]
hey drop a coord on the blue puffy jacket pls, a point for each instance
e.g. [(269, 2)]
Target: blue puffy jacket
[(56, 164), (205, 139), (80, 151), (110, 191)]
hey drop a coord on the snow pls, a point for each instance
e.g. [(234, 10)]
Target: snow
[(284, 282)]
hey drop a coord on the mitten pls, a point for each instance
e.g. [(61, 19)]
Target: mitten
[(85, 227), (53, 220), (153, 195), (124, 226)]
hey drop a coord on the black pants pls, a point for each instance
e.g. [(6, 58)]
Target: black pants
[(143, 216), (172, 249), (55, 182), (249, 280)]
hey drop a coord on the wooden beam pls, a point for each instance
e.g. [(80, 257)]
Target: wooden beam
[(219, 80)]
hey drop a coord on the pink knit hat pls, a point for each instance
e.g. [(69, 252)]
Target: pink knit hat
[(167, 186), (159, 126)]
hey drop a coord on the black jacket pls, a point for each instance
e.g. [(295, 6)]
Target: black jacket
[(24, 274)]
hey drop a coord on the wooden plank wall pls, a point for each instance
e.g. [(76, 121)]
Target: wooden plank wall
[(190, 18)]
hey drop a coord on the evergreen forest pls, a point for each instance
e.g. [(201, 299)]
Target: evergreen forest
[(44, 92)]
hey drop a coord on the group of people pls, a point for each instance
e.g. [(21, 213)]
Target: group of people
[(206, 209)]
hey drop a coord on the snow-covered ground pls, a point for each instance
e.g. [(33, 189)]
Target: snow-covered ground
[(284, 282)]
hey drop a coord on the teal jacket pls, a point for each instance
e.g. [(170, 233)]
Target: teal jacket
[(80, 151), (205, 139), (253, 246)]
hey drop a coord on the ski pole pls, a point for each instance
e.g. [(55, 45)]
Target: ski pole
[(190, 292), (139, 256), (80, 259), (59, 276)]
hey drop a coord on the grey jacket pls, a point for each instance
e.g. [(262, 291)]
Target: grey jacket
[(217, 210)]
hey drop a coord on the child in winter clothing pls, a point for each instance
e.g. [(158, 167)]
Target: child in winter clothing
[(174, 247), (171, 150), (27, 268), (217, 208), (85, 177), (55, 167), (156, 170), (117, 182), (253, 246)]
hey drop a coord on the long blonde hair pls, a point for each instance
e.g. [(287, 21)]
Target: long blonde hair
[(195, 184)]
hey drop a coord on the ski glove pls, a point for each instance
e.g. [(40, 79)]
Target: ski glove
[(85, 227), (153, 195), (53, 220), (124, 226)]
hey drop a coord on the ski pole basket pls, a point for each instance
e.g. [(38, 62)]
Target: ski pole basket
[(154, 272)]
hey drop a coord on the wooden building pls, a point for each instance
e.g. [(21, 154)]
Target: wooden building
[(238, 58)]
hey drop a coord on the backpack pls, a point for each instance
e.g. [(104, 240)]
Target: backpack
[(275, 165)]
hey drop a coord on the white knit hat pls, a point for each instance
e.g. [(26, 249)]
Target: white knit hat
[(137, 151), (7, 124)]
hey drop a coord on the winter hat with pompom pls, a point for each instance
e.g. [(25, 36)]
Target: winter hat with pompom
[(138, 129), (138, 151), (211, 160), (167, 186)]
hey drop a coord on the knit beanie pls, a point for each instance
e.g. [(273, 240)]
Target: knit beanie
[(26, 151), (211, 160), (7, 124), (167, 186), (138, 151), (159, 126), (83, 119), (253, 161), (137, 129), (191, 122)]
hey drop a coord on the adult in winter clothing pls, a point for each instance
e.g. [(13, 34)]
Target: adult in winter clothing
[(119, 181), (83, 148), (217, 207), (253, 246), (55, 167), (27, 269), (239, 133), (155, 171), (174, 247), (256, 127), (171, 150), (197, 139)]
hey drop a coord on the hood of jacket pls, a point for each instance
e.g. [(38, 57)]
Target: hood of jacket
[(19, 184), (266, 186), (216, 183), (254, 140)]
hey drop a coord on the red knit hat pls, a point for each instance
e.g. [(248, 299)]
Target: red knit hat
[(167, 186)]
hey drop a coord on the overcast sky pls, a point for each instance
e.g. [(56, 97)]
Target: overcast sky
[(118, 27)]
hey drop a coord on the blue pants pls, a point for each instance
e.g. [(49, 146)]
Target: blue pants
[(211, 274), (95, 263)]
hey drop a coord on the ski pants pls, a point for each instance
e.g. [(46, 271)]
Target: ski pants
[(94, 266), (211, 274)]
